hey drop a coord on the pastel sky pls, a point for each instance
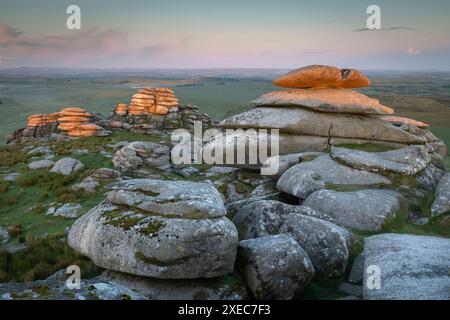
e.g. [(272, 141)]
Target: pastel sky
[(225, 34)]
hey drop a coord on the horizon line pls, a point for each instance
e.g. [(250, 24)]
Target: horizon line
[(205, 68)]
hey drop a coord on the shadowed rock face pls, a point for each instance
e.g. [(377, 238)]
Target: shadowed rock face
[(160, 229), (320, 76), (275, 267), (407, 161), (326, 244), (219, 288), (307, 177), (325, 100), (263, 218), (412, 267), (111, 285), (442, 202)]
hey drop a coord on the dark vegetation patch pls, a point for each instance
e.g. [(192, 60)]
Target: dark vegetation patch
[(11, 155), (41, 259)]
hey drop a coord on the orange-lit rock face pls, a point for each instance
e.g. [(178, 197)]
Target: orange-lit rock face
[(407, 121), (325, 100), (74, 119), (73, 110), (75, 123), (42, 119), (318, 76), (149, 101), (121, 109)]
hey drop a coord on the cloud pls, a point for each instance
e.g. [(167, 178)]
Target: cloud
[(413, 51), (386, 29), (7, 34), (74, 48), (87, 47)]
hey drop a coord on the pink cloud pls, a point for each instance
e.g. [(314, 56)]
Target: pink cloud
[(90, 47), (413, 51), (7, 34), (77, 47)]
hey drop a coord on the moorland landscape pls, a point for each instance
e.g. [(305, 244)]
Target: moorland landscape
[(69, 200)]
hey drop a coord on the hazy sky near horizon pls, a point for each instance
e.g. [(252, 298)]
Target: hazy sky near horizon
[(225, 34)]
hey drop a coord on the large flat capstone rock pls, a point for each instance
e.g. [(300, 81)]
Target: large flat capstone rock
[(301, 121), (307, 177), (325, 100), (160, 229), (366, 210), (411, 267), (320, 76)]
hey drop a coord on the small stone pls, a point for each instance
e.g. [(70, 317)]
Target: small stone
[(69, 210), (67, 166), (4, 234), (421, 221), (88, 184), (105, 174), (6, 296), (11, 177), (80, 152), (41, 164), (39, 151), (188, 171)]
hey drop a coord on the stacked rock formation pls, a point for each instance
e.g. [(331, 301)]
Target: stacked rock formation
[(156, 109), (320, 110), (149, 101), (75, 122), (40, 120), (72, 122), (121, 109)]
